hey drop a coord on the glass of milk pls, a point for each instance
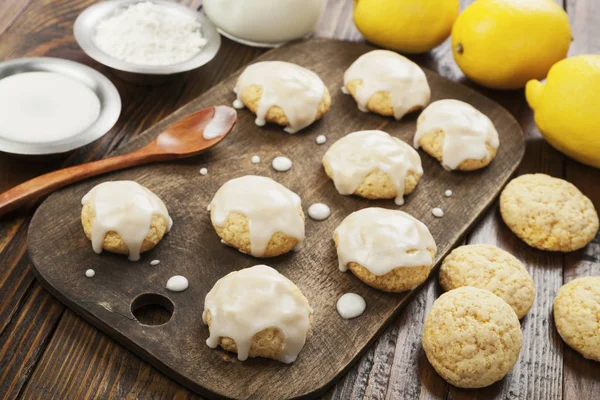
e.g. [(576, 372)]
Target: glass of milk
[(264, 23)]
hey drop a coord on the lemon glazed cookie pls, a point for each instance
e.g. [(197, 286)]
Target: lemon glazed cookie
[(374, 165), (388, 250), (283, 93), (258, 216), (472, 337), (124, 217), (488, 267), (457, 134), (548, 213), (577, 315), (257, 312), (387, 83)]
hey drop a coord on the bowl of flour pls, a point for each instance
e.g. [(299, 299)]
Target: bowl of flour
[(146, 41)]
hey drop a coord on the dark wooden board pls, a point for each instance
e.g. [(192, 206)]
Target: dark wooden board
[(61, 253)]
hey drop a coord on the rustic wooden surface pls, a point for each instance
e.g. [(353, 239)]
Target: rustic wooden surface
[(192, 249), (46, 351)]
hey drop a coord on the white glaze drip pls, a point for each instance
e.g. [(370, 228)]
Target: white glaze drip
[(203, 171), (154, 262), (466, 131), (437, 212), (124, 207), (321, 139), (269, 206), (319, 211), (448, 193), (351, 305), (90, 273), (381, 240), (255, 159), (357, 154), (220, 123), (177, 283), (282, 164), (296, 90), (386, 71), (245, 302)]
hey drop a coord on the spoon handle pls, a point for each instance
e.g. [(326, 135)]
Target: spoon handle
[(32, 190)]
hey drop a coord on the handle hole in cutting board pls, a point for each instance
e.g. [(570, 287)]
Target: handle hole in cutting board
[(152, 309)]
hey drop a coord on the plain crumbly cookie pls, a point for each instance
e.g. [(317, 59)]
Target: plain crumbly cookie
[(577, 315), (113, 242), (236, 233), (472, 337), (378, 185), (251, 95), (548, 213), (433, 144), (491, 268)]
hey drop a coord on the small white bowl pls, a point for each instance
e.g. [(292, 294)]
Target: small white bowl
[(84, 30), (110, 104)]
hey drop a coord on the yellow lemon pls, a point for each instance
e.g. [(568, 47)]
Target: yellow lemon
[(502, 44), (567, 107), (409, 26)]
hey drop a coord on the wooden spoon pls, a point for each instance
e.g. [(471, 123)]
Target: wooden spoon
[(184, 138)]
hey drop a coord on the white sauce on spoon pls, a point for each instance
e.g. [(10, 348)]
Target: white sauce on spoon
[(350, 305), (220, 123), (177, 283), (357, 154), (124, 207), (381, 240), (386, 71), (269, 206), (45, 107), (466, 131), (319, 211), (282, 164), (296, 90), (245, 302)]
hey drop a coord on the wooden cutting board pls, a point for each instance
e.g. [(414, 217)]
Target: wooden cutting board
[(61, 253)]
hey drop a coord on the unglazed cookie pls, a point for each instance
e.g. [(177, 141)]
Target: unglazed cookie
[(548, 213), (374, 165), (257, 312), (258, 216), (386, 249), (124, 217), (472, 337), (577, 315), (488, 267), (283, 93), (386, 83), (456, 134)]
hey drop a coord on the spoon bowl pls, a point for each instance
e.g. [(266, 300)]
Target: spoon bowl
[(186, 137)]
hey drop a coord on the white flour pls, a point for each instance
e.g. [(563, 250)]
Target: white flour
[(149, 34)]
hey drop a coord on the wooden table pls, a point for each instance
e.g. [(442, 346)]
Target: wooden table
[(46, 351)]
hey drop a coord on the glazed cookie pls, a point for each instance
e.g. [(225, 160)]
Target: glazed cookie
[(257, 312), (456, 134), (124, 217), (387, 83), (386, 249), (283, 93), (374, 165), (472, 337), (577, 315), (548, 213), (258, 216), (488, 267)]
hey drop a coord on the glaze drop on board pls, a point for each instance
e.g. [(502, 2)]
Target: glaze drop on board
[(386, 71), (296, 90), (269, 206), (381, 240), (357, 154), (245, 302), (124, 207), (177, 283), (466, 131), (281, 164), (351, 305), (319, 211)]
